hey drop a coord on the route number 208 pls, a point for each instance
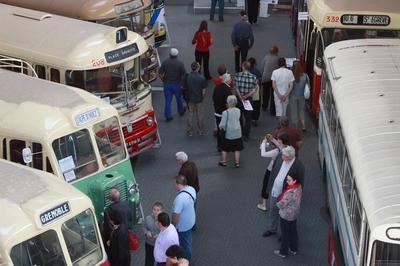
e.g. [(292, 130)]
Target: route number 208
[(332, 19)]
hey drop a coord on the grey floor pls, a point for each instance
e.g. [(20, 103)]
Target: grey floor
[(229, 224)]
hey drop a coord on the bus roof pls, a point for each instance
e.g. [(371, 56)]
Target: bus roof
[(84, 9), (61, 42), (25, 194), (37, 109), (320, 9), (367, 95)]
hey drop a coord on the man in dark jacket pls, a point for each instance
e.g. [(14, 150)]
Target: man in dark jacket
[(283, 164), (188, 170), (118, 244), (242, 39)]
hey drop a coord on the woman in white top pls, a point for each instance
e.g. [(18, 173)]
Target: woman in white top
[(230, 123), (270, 148)]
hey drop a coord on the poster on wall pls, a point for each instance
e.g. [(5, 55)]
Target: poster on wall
[(159, 24)]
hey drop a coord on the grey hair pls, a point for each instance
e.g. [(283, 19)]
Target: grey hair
[(231, 100), (181, 155), (289, 151)]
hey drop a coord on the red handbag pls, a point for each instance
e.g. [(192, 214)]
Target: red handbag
[(133, 241)]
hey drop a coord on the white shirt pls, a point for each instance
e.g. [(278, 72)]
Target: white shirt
[(165, 239), (268, 154), (282, 77), (280, 178)]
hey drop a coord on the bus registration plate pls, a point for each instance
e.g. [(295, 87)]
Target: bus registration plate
[(54, 213), (86, 117)]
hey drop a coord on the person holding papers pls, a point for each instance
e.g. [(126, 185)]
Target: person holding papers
[(246, 85)]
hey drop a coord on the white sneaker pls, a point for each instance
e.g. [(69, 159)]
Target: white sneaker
[(262, 207)]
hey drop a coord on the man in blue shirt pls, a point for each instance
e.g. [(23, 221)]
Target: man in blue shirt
[(183, 214), (242, 39)]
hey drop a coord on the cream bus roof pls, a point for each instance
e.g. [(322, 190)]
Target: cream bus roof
[(319, 9), (367, 98), (37, 109), (59, 41), (25, 194), (82, 9)]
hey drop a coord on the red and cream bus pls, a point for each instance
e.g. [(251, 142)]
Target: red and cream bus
[(330, 21)]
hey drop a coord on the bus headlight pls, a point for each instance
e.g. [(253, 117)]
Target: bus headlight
[(149, 120), (134, 189)]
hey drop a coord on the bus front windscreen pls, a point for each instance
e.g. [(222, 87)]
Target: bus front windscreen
[(81, 239), (43, 249), (117, 84), (109, 141), (134, 22), (332, 35), (75, 155)]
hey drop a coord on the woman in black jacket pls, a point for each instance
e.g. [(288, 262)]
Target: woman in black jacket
[(221, 92), (118, 243)]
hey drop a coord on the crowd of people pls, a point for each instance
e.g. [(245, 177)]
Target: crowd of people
[(237, 99)]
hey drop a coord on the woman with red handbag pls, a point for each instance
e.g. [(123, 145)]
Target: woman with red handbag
[(203, 40)]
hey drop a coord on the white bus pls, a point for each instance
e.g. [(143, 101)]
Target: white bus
[(359, 144), (102, 60), (70, 133), (45, 221)]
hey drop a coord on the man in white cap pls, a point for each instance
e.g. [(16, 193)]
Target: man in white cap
[(171, 72)]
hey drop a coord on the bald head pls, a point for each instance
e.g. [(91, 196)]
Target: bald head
[(114, 194)]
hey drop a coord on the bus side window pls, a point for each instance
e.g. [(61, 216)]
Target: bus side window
[(40, 71), (16, 147), (74, 78), (37, 157), (55, 75)]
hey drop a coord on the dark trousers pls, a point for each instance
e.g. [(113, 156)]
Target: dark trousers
[(149, 260), (241, 54), (219, 138), (221, 4), (203, 59), (264, 192), (253, 7), (246, 122), (268, 97), (255, 115), (289, 236)]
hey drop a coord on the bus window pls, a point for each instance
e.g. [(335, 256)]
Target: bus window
[(109, 141), (74, 79), (385, 253), (80, 236), (55, 75), (75, 155), (37, 156), (43, 249), (16, 147), (40, 71)]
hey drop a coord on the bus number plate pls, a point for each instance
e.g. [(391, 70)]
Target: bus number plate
[(86, 117), (371, 20)]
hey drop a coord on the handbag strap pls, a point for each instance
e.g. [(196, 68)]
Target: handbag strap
[(187, 192)]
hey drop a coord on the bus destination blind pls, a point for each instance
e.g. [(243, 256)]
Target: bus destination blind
[(52, 214), (121, 53), (361, 20)]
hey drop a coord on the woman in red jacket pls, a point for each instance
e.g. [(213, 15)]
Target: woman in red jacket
[(202, 39)]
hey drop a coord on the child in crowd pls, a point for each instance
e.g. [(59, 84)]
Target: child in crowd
[(151, 231)]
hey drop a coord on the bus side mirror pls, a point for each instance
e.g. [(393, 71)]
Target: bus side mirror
[(27, 155)]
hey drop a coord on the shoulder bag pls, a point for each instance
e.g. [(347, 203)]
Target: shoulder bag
[(222, 131)]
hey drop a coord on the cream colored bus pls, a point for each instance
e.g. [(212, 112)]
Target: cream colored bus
[(102, 60), (135, 15), (45, 221), (331, 21), (70, 133)]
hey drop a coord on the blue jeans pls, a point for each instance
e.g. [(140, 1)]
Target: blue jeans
[(185, 241), (171, 89), (220, 9)]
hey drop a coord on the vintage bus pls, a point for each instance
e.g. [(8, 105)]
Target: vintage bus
[(135, 15), (359, 143), (336, 20), (45, 221), (68, 132), (99, 59)]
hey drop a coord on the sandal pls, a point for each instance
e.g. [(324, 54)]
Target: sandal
[(237, 165), (223, 164)]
